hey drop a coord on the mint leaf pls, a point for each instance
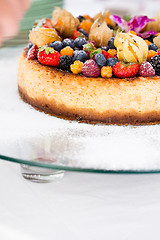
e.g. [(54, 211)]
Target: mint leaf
[(94, 52)]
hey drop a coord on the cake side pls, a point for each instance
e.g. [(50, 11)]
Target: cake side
[(108, 100)]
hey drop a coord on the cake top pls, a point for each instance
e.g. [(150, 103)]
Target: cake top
[(104, 45)]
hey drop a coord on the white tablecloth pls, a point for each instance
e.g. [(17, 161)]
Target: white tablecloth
[(80, 206)]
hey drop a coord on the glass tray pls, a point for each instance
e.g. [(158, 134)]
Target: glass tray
[(34, 138)]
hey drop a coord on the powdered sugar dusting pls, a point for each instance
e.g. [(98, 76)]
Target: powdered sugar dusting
[(29, 134)]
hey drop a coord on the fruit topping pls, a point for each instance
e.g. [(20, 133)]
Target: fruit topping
[(83, 32), (30, 44), (106, 54), (77, 34), (146, 70), (48, 56), (113, 52), (64, 22), (111, 43), (131, 48), (151, 54), (111, 61), (122, 70), (32, 53), (57, 45), (67, 51), (100, 59), (68, 42), (156, 41), (100, 33), (76, 67), (79, 42), (91, 69), (65, 62), (153, 47), (43, 36), (86, 25), (155, 62), (80, 55), (106, 72)]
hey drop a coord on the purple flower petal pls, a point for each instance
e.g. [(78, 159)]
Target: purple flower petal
[(146, 34), (137, 23), (120, 21)]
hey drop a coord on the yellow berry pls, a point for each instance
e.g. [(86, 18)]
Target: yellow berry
[(76, 67), (112, 52), (86, 25), (67, 51), (151, 54), (106, 71), (148, 42)]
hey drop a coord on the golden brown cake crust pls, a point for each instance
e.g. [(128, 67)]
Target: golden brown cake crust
[(111, 101)]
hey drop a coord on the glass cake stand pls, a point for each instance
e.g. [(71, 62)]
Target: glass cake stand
[(46, 146)]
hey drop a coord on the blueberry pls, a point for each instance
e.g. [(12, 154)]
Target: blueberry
[(150, 38), (80, 55), (81, 18), (82, 31), (111, 43), (79, 42), (30, 45), (112, 61), (68, 42), (57, 45), (100, 59), (152, 46), (110, 26)]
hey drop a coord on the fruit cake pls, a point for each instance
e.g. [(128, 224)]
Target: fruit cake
[(101, 69)]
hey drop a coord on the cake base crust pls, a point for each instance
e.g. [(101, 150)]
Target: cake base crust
[(111, 101)]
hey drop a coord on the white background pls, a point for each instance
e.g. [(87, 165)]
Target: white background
[(80, 206)]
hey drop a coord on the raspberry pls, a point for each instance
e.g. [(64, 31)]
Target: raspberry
[(146, 70), (65, 62), (67, 51), (155, 62), (76, 67), (106, 71), (91, 69), (32, 53)]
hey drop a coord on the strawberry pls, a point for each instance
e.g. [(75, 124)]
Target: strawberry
[(106, 54), (158, 52), (89, 48), (77, 34), (48, 56), (32, 53), (47, 24), (123, 70)]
